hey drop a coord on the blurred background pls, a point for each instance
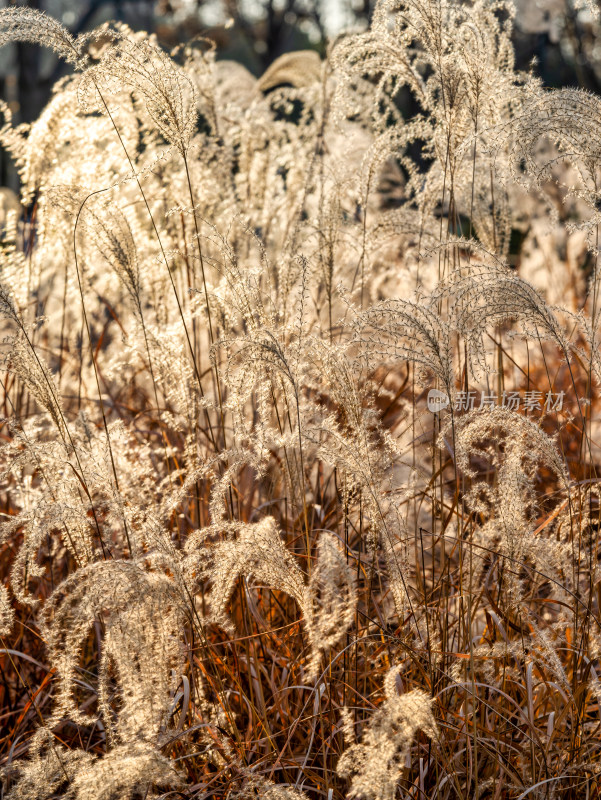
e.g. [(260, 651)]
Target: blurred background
[(560, 38)]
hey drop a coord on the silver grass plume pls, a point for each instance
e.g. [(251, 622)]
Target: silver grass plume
[(50, 766), (483, 295), (36, 375), (25, 361), (168, 94), (555, 128), (256, 787), (404, 330), (53, 504), (523, 435), (107, 228), (330, 600), (126, 772), (18, 24), (570, 119), (142, 613), (515, 447), (375, 765), (7, 612), (456, 59), (258, 554), (354, 441)]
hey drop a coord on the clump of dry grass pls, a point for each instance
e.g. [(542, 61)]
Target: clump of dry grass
[(242, 553)]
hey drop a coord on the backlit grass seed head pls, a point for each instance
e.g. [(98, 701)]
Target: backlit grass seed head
[(456, 60), (49, 767), (478, 430), (258, 788), (100, 222), (35, 374), (18, 24), (39, 152), (126, 772), (330, 600), (402, 330), (168, 94), (483, 296), (257, 553), (375, 765), (569, 119), (7, 612), (142, 614), (516, 448)]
